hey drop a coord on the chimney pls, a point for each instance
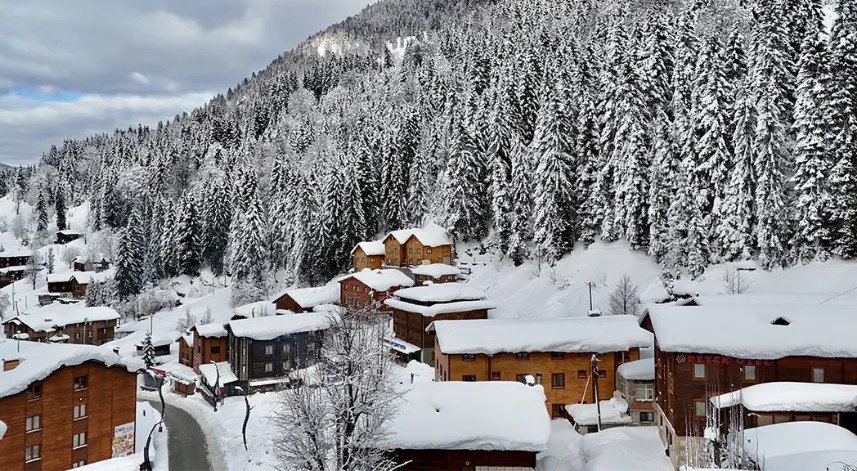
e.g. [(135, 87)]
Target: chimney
[(10, 364), (412, 378), (538, 378)]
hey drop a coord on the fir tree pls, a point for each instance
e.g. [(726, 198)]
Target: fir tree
[(148, 351), (521, 203), (661, 188), (247, 238), (129, 259), (41, 213), (60, 210), (188, 236)]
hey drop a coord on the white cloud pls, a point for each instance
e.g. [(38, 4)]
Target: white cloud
[(139, 78)]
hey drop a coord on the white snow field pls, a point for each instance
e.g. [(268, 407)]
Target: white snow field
[(802, 446)]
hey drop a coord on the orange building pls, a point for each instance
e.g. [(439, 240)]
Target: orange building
[(557, 353), (210, 342), (435, 273), (410, 247), (368, 255), (368, 289), (306, 299)]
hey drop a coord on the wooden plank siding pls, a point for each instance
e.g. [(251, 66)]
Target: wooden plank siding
[(411, 326), (459, 460), (208, 349), (356, 295), (286, 302), (248, 357), (89, 333), (361, 260)]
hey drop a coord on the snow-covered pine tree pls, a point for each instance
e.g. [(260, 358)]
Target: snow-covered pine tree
[(129, 258), (686, 53), (188, 235), (247, 239), (661, 187), (41, 213), (658, 64), (148, 351), (521, 202), (399, 158), (60, 210), (498, 139)]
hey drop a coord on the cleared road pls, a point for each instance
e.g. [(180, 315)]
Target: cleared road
[(185, 441)]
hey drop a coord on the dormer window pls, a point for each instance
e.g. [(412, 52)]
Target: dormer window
[(781, 321)]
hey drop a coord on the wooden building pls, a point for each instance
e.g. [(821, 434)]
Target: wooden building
[(435, 273), (468, 426), (415, 308), (10, 275), (186, 349), (262, 351), (65, 324), (60, 284), (411, 247), (707, 350), (65, 406), (97, 264), (368, 255), (15, 258), (210, 344), (635, 381), (368, 289), (162, 342), (557, 352), (67, 235), (306, 299)]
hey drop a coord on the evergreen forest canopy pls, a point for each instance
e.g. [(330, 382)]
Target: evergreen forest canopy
[(700, 131)]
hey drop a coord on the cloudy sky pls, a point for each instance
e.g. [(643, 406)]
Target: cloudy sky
[(75, 68)]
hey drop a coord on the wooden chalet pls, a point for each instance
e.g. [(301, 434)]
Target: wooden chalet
[(435, 273), (65, 324), (415, 308), (12, 274), (368, 289), (262, 351), (186, 349), (67, 235), (210, 344), (61, 284), (497, 425), (83, 263), (15, 258), (635, 382), (162, 342), (411, 247), (48, 393), (712, 349), (368, 255), (557, 352), (306, 299)]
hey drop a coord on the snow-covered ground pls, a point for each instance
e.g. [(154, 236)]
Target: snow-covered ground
[(147, 417)]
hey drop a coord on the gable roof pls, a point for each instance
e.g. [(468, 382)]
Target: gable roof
[(381, 280), (43, 319), (374, 247), (441, 293), (271, 327), (435, 270), (311, 297), (431, 235), (213, 330)]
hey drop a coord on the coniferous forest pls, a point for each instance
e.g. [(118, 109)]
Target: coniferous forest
[(700, 131)]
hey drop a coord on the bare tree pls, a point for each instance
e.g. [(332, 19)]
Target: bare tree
[(208, 318), (735, 281), (5, 303), (19, 226), (186, 322), (69, 254), (336, 420), (34, 266), (625, 299)]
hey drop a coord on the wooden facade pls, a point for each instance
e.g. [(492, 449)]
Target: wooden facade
[(362, 260), (63, 288), (259, 360), (464, 460), (640, 398), (186, 351), (109, 398), (422, 279), (64, 237), (411, 327), (89, 333), (13, 261), (354, 294), (566, 377), (208, 349), (416, 253), (286, 302)]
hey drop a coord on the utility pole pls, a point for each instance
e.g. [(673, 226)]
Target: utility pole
[(589, 283), (595, 388)]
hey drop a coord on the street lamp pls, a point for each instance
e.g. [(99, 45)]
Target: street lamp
[(147, 463), (216, 384), (246, 415)]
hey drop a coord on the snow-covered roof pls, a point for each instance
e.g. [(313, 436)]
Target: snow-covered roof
[(801, 446), (124, 463), (441, 293), (639, 370), (435, 270), (489, 415), (400, 345), (43, 319), (16, 252), (787, 396), (69, 232), (430, 235), (59, 277), (188, 339), (441, 308), (257, 309), (308, 298), (209, 372), (39, 359), (624, 449), (162, 338), (210, 330), (183, 373), (613, 412), (271, 327), (753, 330), (86, 277), (16, 268), (2, 429), (85, 258), (578, 334), (59, 338), (370, 248), (381, 280)]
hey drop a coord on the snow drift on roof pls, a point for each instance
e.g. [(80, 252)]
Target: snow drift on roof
[(489, 415), (271, 327), (39, 360), (613, 412), (799, 446), (381, 280), (746, 331), (441, 308), (59, 277), (580, 334), (43, 319), (209, 372), (214, 330), (309, 298), (441, 293), (16, 252), (435, 270), (625, 449), (431, 235), (86, 277), (640, 370), (374, 247), (787, 396)]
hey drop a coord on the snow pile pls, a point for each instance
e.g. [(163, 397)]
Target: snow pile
[(639, 370), (257, 309), (802, 446), (147, 417), (209, 372), (791, 397), (436, 270), (86, 277), (625, 449), (490, 415), (177, 371), (308, 298), (381, 280), (441, 293), (613, 412), (39, 360), (371, 248), (563, 451), (753, 330), (43, 319), (213, 330), (3, 429), (441, 308), (126, 463), (271, 327), (417, 371), (582, 334)]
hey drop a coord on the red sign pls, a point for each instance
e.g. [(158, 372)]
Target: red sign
[(721, 360)]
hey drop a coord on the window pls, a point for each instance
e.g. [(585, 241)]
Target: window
[(647, 417), (469, 378), (33, 423), (419, 251), (698, 371), (81, 382), (80, 411), (77, 335), (79, 464), (411, 250), (602, 373), (468, 357), (34, 391), (556, 411), (521, 378), (389, 250), (372, 259), (750, 373), (89, 334), (699, 408), (557, 355), (495, 376), (558, 380), (269, 349), (32, 453), (817, 374), (78, 440), (396, 249), (269, 367), (645, 392), (287, 349), (428, 251), (581, 373), (215, 350), (522, 356), (285, 366)]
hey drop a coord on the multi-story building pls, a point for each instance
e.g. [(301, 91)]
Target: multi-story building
[(65, 324), (368, 255), (65, 405), (411, 247), (368, 289), (635, 381)]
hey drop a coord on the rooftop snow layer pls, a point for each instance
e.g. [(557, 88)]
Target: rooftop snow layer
[(214, 330), (441, 308), (430, 235), (435, 270), (271, 327), (86, 277), (753, 331), (787, 396), (801, 446), (16, 252), (488, 415), (309, 298), (374, 247), (441, 293), (381, 280), (38, 360), (210, 373), (625, 449), (639, 370), (579, 334), (59, 277), (613, 412), (43, 319)]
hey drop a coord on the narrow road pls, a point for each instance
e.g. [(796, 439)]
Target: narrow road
[(186, 441)]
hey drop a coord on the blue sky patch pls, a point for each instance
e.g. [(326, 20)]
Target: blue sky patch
[(36, 95)]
